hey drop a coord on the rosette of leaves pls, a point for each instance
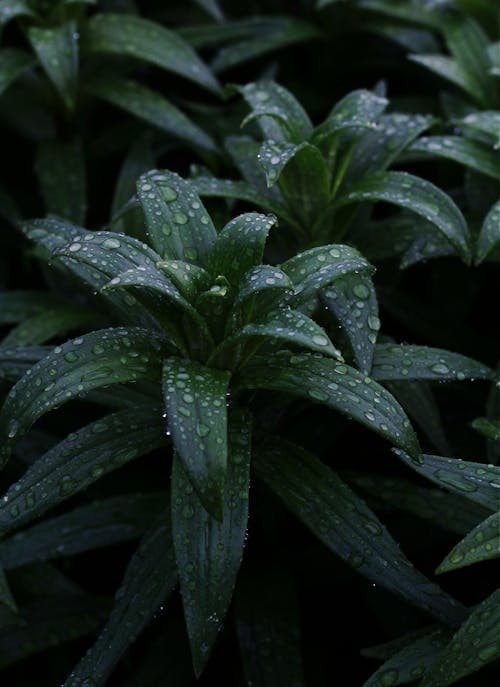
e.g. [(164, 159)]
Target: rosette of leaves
[(201, 321)]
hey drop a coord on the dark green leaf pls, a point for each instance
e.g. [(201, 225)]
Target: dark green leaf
[(16, 306), (260, 290), (188, 278), (14, 362), (338, 386), (14, 8), (475, 481), (57, 50), (142, 39), (98, 359), (399, 362), (343, 522), (488, 428), (149, 578), (209, 552), (195, 403), (152, 107), (60, 168), (51, 323), (481, 126), (79, 460), (419, 196), (96, 525), (240, 246), (6, 598), (468, 153), (358, 109), (447, 68), (473, 646), (13, 63), (488, 240), (481, 544), (179, 226)]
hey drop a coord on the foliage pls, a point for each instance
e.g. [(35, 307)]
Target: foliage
[(204, 341)]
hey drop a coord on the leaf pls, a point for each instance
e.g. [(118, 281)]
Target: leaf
[(79, 460), (358, 109), (275, 33), (473, 646), (342, 521), (212, 8), (14, 8), (209, 552), (195, 403), (101, 358), (481, 126), (179, 226), (53, 322), (399, 362), (240, 246), (260, 290), (411, 662), (353, 301), (48, 623), (244, 151), (419, 196), (475, 481), (267, 623), (280, 116), (119, 34), (283, 326), (468, 153), (448, 69), (14, 362), (138, 160), (149, 578), (239, 190), (336, 385), (480, 544), (13, 63), (488, 428), (488, 240), (16, 306), (60, 168), (319, 267), (95, 525), (6, 598), (448, 511), (57, 50), (188, 278), (380, 146), (146, 104)]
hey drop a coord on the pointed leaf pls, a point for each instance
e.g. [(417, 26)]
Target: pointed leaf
[(98, 359), (411, 662), (16, 306), (79, 460), (14, 362), (472, 647), (419, 196), (240, 246), (468, 153), (488, 241), (51, 323), (481, 544), (400, 362), (488, 428), (209, 552), (57, 50), (353, 301), (142, 39), (481, 126), (188, 278), (60, 168), (149, 578), (179, 226), (448, 69), (261, 290), (288, 120), (343, 522), (475, 481), (339, 387), (358, 109), (14, 8), (195, 403), (95, 525), (244, 151), (13, 63), (150, 106)]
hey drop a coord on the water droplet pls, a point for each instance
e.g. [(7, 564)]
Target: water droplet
[(180, 218), (70, 357), (361, 291), (440, 368), (388, 678), (168, 193), (202, 430), (111, 244), (318, 395), (320, 340)]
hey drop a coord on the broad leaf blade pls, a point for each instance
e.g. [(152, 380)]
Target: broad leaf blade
[(475, 481), (57, 50), (480, 544), (142, 39), (470, 154), (473, 646), (108, 356), (13, 63), (419, 196), (358, 109), (195, 402), (96, 525), (339, 387), (488, 241), (86, 455), (149, 578), (209, 552), (51, 323), (179, 225), (342, 521), (404, 362)]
